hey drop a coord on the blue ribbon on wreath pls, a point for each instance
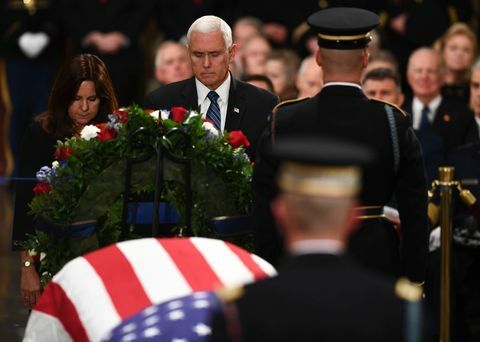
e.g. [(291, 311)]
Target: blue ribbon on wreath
[(77, 230)]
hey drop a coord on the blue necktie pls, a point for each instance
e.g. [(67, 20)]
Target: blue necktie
[(424, 121), (213, 112)]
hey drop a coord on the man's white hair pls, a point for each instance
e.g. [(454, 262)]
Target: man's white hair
[(211, 23)]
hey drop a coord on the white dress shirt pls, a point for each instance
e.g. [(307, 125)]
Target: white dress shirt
[(417, 107), (477, 119), (204, 102)]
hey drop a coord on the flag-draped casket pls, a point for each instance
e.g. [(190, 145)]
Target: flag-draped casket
[(95, 292)]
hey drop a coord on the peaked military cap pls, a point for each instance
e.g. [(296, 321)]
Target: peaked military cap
[(319, 166), (344, 28)]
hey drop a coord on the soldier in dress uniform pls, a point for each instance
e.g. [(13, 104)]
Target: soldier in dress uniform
[(342, 110), (320, 294)]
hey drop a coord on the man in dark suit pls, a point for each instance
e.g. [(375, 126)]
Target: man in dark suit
[(320, 294), (229, 103), (431, 112), (342, 110)]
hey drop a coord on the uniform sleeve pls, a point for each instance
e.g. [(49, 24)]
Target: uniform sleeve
[(411, 194)]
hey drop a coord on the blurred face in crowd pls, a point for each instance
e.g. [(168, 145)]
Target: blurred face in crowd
[(424, 74), (475, 92), (309, 79), (260, 84), (379, 64), (242, 32), (84, 107), (275, 71), (210, 57), (458, 52), (385, 90), (173, 64), (255, 53)]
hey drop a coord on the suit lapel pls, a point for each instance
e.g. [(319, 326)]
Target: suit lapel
[(442, 117), (236, 106), (189, 94)]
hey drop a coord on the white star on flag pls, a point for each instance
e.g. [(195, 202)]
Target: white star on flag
[(201, 304), (176, 315), (202, 329), (150, 332), (175, 305), (151, 320)]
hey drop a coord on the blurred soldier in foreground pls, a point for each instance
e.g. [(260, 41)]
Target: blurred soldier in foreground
[(320, 294)]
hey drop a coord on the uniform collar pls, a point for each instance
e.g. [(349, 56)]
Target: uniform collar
[(317, 246), (347, 84)]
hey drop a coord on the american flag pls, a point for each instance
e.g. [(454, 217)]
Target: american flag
[(182, 319), (92, 294)]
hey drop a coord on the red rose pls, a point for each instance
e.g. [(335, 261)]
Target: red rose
[(41, 188), (63, 153), (237, 139), (178, 114), (122, 114), (105, 133)]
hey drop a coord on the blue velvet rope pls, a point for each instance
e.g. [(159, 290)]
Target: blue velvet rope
[(231, 225), (76, 230), (142, 213)]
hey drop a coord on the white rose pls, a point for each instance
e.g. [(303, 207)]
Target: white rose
[(89, 132), (42, 256), (32, 252), (190, 117), (55, 164), (210, 128), (164, 114), (155, 114)]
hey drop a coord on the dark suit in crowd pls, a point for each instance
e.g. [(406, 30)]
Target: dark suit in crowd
[(248, 106), (453, 123)]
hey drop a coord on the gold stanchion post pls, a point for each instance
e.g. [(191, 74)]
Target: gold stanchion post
[(446, 184)]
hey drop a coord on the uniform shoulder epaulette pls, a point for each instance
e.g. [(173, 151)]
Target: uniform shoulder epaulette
[(408, 291), (391, 104), (289, 102), (230, 294)]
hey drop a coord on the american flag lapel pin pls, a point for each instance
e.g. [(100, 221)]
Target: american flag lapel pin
[(236, 110)]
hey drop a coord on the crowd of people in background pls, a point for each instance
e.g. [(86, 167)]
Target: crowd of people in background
[(273, 41)]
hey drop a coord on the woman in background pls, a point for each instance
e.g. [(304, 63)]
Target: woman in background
[(82, 94), (458, 48)]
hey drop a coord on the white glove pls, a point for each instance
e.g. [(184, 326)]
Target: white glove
[(434, 242), (32, 44)]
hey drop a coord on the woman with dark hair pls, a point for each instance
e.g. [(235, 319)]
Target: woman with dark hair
[(82, 94)]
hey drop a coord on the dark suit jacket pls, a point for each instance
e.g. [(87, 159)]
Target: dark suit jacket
[(320, 297), (37, 150), (254, 106), (345, 112), (453, 122)]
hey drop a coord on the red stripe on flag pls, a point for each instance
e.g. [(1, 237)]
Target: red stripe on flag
[(124, 287), (55, 302), (192, 264), (248, 261)]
